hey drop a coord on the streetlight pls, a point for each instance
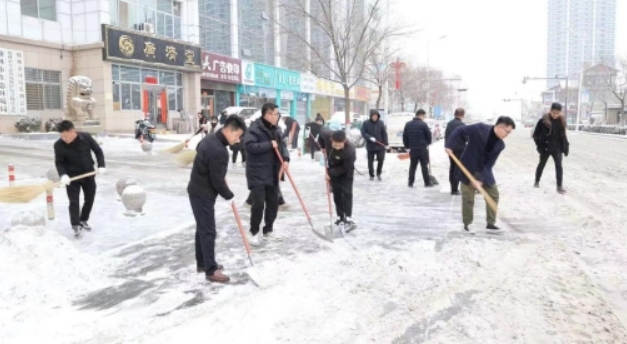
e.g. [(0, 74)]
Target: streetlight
[(521, 107), (459, 90)]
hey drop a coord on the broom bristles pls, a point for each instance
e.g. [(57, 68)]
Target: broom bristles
[(186, 157), (403, 156), (23, 193), (175, 149)]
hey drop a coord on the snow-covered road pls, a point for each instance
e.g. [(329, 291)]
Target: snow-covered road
[(407, 275)]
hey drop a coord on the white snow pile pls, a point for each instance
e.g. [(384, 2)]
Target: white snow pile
[(40, 270)]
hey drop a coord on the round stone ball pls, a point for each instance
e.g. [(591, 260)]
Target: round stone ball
[(28, 219), (134, 198), (122, 184), (147, 146), (53, 175)]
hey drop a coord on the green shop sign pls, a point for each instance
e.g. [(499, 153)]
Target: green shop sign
[(264, 75), (271, 77)]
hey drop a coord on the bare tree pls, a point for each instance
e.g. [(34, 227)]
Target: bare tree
[(379, 68), (352, 29)]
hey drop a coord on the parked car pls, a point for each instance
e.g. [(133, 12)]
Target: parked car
[(244, 112), (340, 116), (257, 114), (395, 126)]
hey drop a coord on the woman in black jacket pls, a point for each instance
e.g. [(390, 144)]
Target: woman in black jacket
[(551, 141)]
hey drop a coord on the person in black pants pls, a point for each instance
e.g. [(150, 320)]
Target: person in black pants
[(551, 141), (376, 136), (72, 157), (206, 182), (291, 131), (238, 148), (261, 142), (314, 130), (452, 170), (417, 138), (340, 173)]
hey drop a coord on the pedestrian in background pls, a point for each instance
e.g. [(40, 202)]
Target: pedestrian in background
[(314, 131), (417, 138), (452, 170), (291, 131), (376, 136), (202, 123), (551, 141)]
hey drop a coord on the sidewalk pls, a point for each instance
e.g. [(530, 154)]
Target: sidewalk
[(616, 136)]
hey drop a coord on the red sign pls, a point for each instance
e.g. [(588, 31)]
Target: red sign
[(221, 68), (398, 65)]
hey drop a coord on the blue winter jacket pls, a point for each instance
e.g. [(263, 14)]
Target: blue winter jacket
[(475, 158)]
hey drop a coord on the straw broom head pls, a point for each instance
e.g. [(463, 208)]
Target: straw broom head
[(23, 193), (186, 158), (175, 149)]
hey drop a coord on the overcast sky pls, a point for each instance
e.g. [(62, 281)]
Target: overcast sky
[(491, 44)]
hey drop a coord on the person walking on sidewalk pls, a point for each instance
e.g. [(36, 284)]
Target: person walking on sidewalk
[(291, 131), (262, 169), (485, 143), (417, 138), (72, 157), (206, 182), (238, 148), (341, 169), (551, 141), (374, 133), (314, 130), (452, 170)]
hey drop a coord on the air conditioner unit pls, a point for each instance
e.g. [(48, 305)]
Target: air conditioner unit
[(146, 27), (246, 52)]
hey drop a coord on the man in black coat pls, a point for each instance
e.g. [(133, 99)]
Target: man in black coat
[(206, 182), (261, 142), (72, 157), (291, 131), (417, 138), (452, 170), (551, 141), (341, 169), (314, 130), (376, 136)]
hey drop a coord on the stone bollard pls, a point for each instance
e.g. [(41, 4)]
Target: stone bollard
[(28, 219), (53, 175), (134, 198), (147, 146), (50, 203), (122, 184)]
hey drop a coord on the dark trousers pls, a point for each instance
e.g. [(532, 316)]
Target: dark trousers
[(205, 241), (249, 200), (295, 138), (420, 155), (557, 159), (380, 157), (343, 196), (313, 147), (235, 151), (452, 172), (89, 194), (263, 197)]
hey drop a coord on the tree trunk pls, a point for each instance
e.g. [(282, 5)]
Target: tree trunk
[(402, 102), (380, 95), (347, 110)]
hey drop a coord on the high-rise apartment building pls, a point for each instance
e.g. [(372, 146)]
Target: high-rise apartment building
[(580, 33)]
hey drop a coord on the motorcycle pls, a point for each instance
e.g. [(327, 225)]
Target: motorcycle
[(144, 128)]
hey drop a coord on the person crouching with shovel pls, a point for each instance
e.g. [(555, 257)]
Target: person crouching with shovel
[(207, 181), (340, 172)]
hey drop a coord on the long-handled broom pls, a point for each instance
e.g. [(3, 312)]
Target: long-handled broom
[(300, 199), (186, 157), (26, 193), (491, 203), (179, 147)]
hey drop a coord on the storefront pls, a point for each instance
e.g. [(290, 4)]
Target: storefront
[(219, 79), (150, 77)]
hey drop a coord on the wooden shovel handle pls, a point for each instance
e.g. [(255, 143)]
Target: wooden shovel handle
[(83, 176), (487, 197)]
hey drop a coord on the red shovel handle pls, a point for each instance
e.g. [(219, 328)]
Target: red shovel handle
[(241, 227), (289, 176)]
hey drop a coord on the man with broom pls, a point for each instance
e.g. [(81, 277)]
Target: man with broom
[(417, 138), (341, 169), (261, 142), (72, 157), (376, 136), (207, 181), (485, 144)]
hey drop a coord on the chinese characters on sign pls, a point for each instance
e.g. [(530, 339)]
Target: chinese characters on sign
[(170, 52), (221, 68), (149, 49), (12, 87)]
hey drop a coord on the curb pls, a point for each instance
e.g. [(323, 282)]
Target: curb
[(615, 136)]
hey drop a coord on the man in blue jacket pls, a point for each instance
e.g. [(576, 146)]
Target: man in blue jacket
[(452, 171), (376, 136), (485, 143), (417, 138), (262, 169)]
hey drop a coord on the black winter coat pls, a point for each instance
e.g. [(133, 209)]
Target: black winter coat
[(377, 130), (416, 135), (262, 164), (342, 162), (75, 158), (314, 129), (324, 138), (450, 128), (208, 175), (550, 135)]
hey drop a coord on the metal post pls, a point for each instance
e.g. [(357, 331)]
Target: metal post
[(566, 100), (522, 115), (11, 175)]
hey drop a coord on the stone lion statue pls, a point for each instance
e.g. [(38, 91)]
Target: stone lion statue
[(80, 103)]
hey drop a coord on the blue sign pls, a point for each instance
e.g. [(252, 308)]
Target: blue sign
[(287, 80), (264, 75), (437, 112)]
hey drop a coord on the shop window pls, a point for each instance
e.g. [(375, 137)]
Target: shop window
[(163, 15), (43, 89), (43, 9), (127, 87)]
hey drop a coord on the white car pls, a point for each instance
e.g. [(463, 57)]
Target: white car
[(340, 117), (395, 126), (257, 114), (241, 111)]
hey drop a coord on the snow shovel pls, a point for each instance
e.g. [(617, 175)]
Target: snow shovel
[(487, 197), (252, 270), (300, 199), (432, 179)]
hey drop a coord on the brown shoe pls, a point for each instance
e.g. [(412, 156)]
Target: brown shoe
[(200, 269), (218, 277)]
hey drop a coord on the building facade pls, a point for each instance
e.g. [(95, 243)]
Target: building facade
[(580, 33)]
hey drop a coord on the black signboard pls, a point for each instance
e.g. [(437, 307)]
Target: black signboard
[(145, 49)]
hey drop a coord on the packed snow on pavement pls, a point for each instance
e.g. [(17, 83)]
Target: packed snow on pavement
[(407, 275)]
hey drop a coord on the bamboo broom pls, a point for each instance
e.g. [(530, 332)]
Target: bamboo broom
[(179, 147), (186, 157), (26, 193)]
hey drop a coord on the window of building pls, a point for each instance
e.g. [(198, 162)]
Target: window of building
[(127, 87), (43, 9), (161, 17), (215, 21), (43, 89)]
